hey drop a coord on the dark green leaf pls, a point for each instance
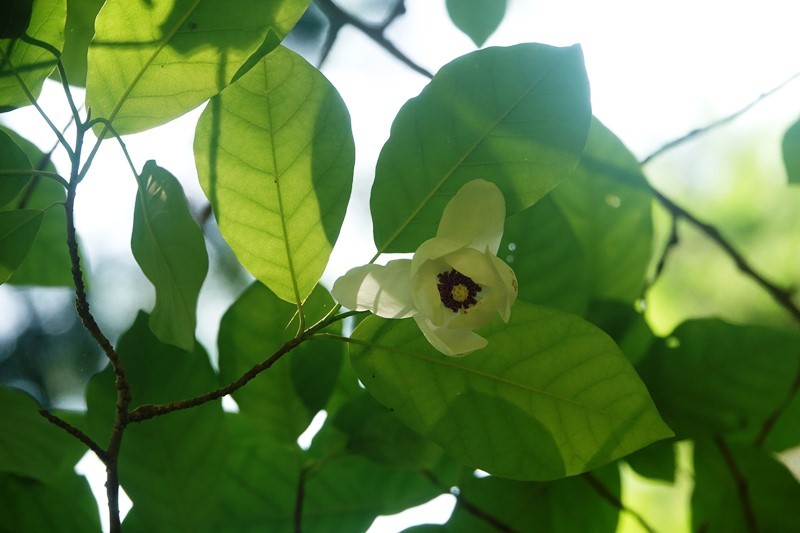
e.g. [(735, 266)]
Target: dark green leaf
[(17, 15), (152, 62), (564, 506), (170, 466), (791, 153), (740, 489), (550, 396), (657, 461), (78, 34), (275, 157), (517, 116), (710, 377), (31, 63), (547, 258), (254, 327), (11, 158), (63, 504), (608, 204), (628, 328), (477, 18), (30, 446), (18, 230), (171, 250)]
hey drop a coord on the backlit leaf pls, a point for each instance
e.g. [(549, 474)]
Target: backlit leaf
[(275, 154), (549, 396), (11, 158), (18, 229), (477, 18), (78, 33), (150, 62), (517, 116), (171, 250)]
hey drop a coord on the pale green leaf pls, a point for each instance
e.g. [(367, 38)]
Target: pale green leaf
[(791, 153), (171, 250), (609, 206), (78, 33), (550, 396), (150, 62), (18, 229), (477, 18), (274, 152), (516, 116), (31, 63)]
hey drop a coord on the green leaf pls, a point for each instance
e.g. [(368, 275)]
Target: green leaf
[(170, 466), (30, 446), (517, 116), (18, 230), (550, 396), (477, 18), (254, 327), (547, 258), (62, 504), (724, 473), (628, 328), (78, 34), (11, 158), (791, 153), (17, 17), (608, 204), (275, 155), (171, 250), (564, 506), (710, 377), (152, 62), (32, 63), (47, 262), (656, 461)]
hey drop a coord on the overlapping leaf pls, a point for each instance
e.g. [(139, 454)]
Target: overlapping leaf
[(550, 396), (11, 158), (275, 156), (18, 229), (517, 116), (171, 250), (151, 62), (30, 62)]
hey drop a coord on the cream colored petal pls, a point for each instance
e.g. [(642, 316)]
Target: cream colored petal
[(426, 291), (509, 286), (475, 216), (384, 290), (453, 342), (432, 250)]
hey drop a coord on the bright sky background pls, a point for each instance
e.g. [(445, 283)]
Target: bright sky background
[(657, 70)]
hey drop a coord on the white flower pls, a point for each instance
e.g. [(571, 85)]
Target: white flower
[(455, 282)]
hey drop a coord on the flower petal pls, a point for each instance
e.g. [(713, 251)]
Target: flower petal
[(450, 341), (431, 250), (509, 280), (475, 216), (384, 290)]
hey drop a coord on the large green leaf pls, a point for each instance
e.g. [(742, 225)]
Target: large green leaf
[(550, 396), (62, 504), (711, 377), (477, 18), (170, 248), (78, 33), (791, 153), (47, 262), (17, 16), (255, 326), (607, 202), (151, 62), (170, 466), (30, 446), (275, 155), (18, 229), (31, 63), (11, 158), (547, 258), (564, 506), (725, 474), (517, 116)]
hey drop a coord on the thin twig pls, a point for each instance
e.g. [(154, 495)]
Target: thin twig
[(721, 122), (298, 501), (464, 503), (742, 488), (28, 172), (773, 417), (338, 17), (607, 495), (117, 136), (75, 432)]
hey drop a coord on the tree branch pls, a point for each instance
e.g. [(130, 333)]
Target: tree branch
[(468, 506), (739, 480), (339, 17), (75, 432)]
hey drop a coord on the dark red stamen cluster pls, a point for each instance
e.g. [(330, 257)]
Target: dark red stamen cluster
[(452, 279)]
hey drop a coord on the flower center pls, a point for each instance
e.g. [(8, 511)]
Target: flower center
[(457, 291)]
